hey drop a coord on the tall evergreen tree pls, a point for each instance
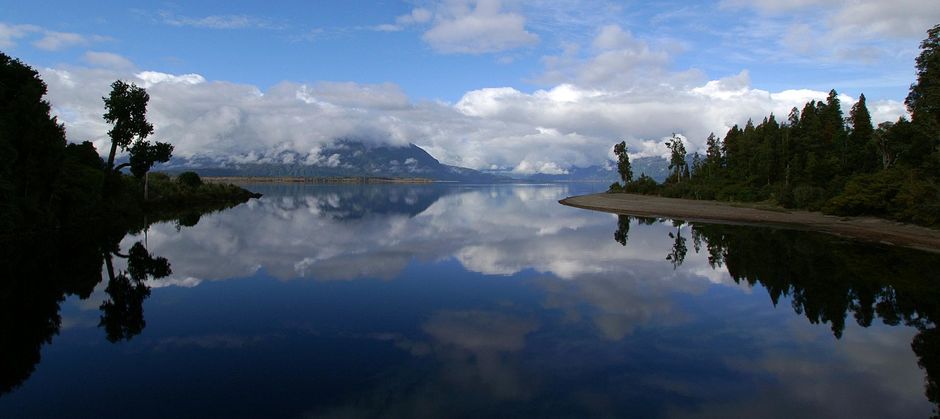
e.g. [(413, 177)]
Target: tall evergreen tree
[(858, 157), (713, 156), (623, 162), (923, 101)]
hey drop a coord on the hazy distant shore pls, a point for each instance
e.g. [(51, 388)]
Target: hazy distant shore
[(864, 228), (319, 180)]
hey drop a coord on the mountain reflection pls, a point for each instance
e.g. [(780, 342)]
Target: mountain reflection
[(826, 279), (432, 300)]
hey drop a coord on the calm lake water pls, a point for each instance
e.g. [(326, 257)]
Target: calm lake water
[(474, 301)]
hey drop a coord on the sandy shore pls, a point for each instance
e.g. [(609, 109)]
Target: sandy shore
[(864, 228)]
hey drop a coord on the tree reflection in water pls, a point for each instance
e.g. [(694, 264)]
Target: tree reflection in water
[(825, 279), (40, 271)]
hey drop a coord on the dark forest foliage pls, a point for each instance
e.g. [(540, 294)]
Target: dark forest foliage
[(46, 183), (820, 159), (825, 279)]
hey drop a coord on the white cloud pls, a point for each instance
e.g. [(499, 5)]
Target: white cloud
[(9, 34), (48, 40), (219, 21), (619, 60), (854, 19), (874, 18), (477, 26), (546, 131), (107, 60), (416, 16), (54, 41), (774, 6)]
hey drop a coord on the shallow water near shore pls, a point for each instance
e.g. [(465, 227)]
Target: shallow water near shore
[(486, 300)]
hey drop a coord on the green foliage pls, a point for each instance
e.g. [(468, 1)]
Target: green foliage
[(924, 98), (190, 179), (144, 155), (167, 193), (676, 159), (623, 162), (46, 183), (818, 160), (644, 185)]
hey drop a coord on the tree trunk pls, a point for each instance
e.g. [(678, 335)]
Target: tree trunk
[(111, 155)]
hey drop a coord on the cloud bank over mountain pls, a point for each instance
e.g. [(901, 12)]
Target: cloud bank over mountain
[(613, 86), (544, 131)]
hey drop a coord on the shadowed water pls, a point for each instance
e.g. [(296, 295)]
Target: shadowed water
[(463, 301)]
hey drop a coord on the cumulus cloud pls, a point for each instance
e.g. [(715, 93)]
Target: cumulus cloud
[(477, 26), (416, 16), (544, 131), (620, 89), (616, 59)]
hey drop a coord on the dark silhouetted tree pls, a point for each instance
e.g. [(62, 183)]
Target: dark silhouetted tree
[(623, 230), (677, 157), (924, 98), (126, 108), (623, 162), (32, 145), (858, 153)]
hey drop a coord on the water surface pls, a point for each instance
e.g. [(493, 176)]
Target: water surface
[(450, 301)]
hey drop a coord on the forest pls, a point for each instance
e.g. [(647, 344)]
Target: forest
[(47, 183), (819, 159)]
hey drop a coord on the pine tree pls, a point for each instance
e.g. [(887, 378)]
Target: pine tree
[(713, 155), (858, 158), (924, 98)]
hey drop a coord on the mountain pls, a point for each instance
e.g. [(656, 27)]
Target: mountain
[(344, 158), (347, 158), (654, 167)]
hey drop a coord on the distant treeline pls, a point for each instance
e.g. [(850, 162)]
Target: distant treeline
[(47, 183), (818, 159)]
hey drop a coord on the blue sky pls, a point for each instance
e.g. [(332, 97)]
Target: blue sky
[(506, 75)]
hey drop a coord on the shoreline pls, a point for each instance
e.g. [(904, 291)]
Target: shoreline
[(869, 229)]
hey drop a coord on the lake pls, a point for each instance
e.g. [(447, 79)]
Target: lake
[(464, 301)]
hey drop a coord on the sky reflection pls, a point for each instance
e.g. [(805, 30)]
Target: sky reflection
[(442, 300)]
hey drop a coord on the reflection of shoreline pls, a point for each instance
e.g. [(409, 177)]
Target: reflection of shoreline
[(317, 180), (863, 228)]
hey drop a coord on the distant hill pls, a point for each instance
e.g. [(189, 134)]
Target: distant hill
[(655, 167), (358, 159), (345, 158)]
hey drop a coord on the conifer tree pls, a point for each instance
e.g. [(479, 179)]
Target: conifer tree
[(623, 162), (923, 101), (858, 158)]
